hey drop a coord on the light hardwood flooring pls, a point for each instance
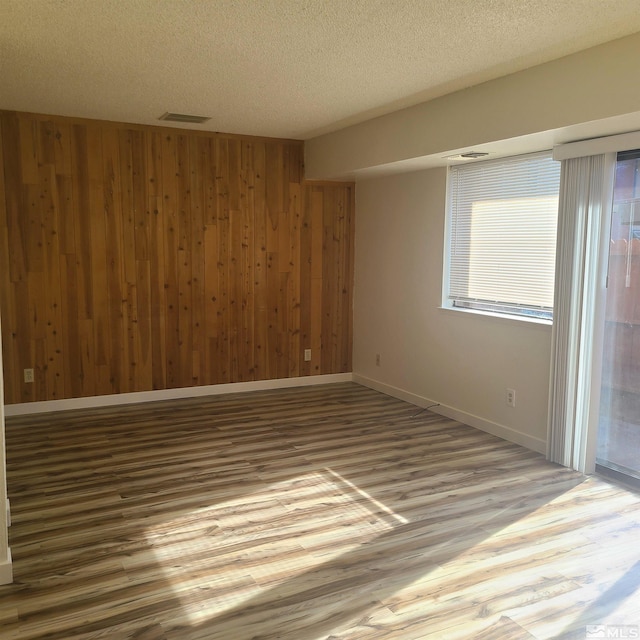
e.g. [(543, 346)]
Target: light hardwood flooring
[(329, 512)]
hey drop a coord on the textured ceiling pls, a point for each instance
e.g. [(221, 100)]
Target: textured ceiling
[(285, 68)]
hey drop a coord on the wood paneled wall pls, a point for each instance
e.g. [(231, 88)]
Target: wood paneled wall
[(135, 258)]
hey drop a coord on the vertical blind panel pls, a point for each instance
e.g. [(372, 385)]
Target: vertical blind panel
[(503, 231)]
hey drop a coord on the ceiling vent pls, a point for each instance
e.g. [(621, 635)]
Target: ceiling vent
[(184, 117)]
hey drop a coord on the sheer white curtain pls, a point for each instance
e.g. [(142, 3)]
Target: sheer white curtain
[(585, 200)]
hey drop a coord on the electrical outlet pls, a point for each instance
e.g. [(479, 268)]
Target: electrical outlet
[(307, 355), (511, 397), (28, 375), (377, 359)]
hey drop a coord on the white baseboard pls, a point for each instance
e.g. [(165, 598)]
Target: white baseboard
[(6, 570), (395, 392), (502, 431), (92, 402)]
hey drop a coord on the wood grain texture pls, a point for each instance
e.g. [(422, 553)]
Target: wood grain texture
[(139, 258), (314, 513)]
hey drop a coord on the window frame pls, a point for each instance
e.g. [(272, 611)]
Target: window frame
[(529, 314)]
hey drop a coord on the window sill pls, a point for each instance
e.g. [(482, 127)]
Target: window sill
[(498, 316)]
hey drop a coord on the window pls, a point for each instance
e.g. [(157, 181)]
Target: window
[(501, 235)]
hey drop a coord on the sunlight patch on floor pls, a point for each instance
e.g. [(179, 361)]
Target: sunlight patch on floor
[(250, 544)]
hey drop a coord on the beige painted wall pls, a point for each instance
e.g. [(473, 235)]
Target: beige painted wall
[(461, 360), (584, 95)]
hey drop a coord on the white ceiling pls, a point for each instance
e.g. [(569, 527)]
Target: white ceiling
[(283, 68)]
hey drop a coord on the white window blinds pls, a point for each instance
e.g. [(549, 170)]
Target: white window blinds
[(502, 235)]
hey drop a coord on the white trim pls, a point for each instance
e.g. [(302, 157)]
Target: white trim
[(8, 513), (596, 305), (446, 250), (499, 316), (495, 429), (92, 402), (501, 431), (6, 570), (597, 146), (586, 195), (394, 392)]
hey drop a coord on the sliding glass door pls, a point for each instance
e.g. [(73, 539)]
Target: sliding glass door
[(618, 443)]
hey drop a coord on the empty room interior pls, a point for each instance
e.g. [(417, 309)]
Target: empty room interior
[(318, 319)]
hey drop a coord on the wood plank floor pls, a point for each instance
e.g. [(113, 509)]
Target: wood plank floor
[(306, 514)]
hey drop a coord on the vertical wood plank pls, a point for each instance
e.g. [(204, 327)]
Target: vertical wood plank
[(210, 304), (171, 244), (305, 277), (115, 260), (34, 224), (295, 352), (207, 148), (63, 159), (234, 292), (349, 265), (7, 309), (317, 261), (329, 302), (185, 319), (143, 370), (73, 361), (125, 143), (260, 280), (235, 259), (141, 216), (82, 227), (198, 160), (24, 345), (99, 261), (223, 355), (209, 354), (53, 345), (157, 261), (248, 257), (16, 228), (82, 231), (274, 208), (28, 150)]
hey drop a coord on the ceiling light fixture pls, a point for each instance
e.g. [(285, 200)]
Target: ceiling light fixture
[(468, 155), (474, 154)]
